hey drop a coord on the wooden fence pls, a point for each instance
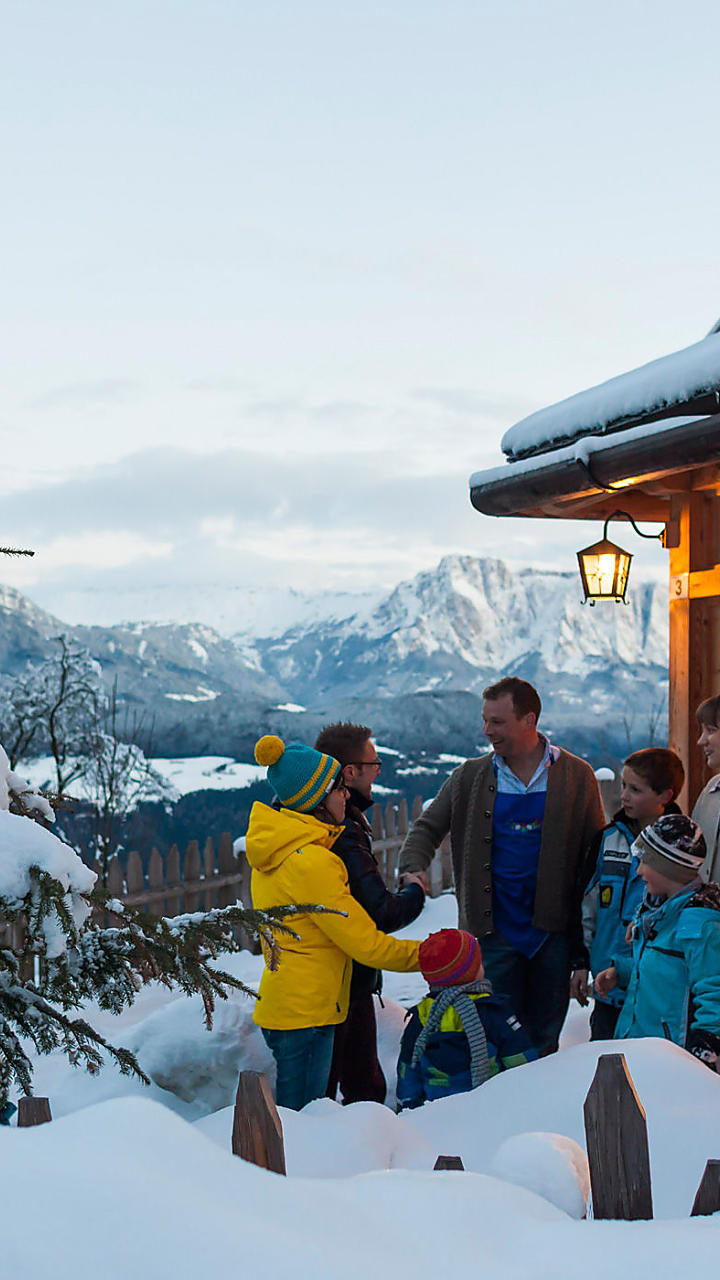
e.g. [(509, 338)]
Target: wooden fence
[(201, 881), (209, 881), (211, 878)]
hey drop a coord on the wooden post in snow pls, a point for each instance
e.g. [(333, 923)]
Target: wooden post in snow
[(33, 1111), (707, 1196), (449, 1162), (617, 1143), (257, 1130)]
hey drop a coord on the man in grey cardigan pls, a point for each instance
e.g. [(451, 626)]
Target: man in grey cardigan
[(520, 819)]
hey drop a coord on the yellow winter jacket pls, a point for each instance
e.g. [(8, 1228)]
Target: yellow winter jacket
[(292, 860)]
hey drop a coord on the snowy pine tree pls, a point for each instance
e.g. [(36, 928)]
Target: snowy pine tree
[(65, 958)]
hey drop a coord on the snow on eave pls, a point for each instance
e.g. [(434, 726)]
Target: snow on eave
[(672, 381), (579, 451)]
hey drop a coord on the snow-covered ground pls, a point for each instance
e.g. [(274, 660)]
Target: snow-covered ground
[(120, 1184)]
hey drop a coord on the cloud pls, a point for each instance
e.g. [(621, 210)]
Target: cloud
[(167, 493), (500, 409), (86, 395), (167, 520)]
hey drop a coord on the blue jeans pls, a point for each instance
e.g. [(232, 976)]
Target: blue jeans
[(537, 987), (303, 1058)]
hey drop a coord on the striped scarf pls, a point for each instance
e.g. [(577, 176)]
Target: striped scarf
[(459, 998)]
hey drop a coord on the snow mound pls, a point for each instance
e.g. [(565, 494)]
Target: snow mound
[(177, 1051), (550, 1164), (130, 1189)]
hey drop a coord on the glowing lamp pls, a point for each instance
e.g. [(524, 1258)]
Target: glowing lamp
[(604, 569)]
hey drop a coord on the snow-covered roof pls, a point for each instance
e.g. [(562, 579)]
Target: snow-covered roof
[(544, 482), (685, 378)]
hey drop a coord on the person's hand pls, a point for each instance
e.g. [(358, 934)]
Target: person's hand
[(705, 1046), (416, 877), (579, 986), (606, 980)]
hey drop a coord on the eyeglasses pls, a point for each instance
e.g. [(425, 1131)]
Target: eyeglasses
[(366, 764), (340, 785)]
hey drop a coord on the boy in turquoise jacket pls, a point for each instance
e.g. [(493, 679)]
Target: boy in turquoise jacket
[(613, 890), (673, 977)]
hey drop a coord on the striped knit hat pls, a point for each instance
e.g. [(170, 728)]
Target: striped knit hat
[(450, 958), (673, 845), (300, 776)]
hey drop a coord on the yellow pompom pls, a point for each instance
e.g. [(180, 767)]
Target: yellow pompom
[(269, 749)]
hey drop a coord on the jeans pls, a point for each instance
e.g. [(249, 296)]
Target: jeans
[(303, 1058), (537, 987)]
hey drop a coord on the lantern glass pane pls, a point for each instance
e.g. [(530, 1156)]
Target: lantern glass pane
[(622, 573), (600, 574)]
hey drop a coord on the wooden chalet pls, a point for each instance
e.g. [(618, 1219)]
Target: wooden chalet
[(646, 443)]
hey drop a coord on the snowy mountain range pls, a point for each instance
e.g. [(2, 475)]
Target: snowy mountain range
[(412, 664)]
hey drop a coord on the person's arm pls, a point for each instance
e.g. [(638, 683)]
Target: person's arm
[(594, 811), (583, 918), (390, 911), (409, 1091), (325, 884), (515, 1046), (701, 942), (427, 832)]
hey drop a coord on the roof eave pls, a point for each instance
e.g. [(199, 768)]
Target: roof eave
[(535, 492)]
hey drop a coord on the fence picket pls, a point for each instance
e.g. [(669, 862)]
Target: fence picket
[(208, 863), (134, 875), (203, 884), (156, 882), (174, 883), (191, 874)]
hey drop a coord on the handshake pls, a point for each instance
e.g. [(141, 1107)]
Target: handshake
[(416, 877)]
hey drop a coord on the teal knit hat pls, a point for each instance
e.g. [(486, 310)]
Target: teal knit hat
[(300, 776)]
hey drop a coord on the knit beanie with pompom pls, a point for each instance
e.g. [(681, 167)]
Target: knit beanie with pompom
[(300, 776), (450, 958)]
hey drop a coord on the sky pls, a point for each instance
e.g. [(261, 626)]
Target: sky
[(277, 276)]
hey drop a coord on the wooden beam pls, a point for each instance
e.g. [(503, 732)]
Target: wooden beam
[(694, 628)]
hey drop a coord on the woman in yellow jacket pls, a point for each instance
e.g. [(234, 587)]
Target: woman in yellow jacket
[(290, 851)]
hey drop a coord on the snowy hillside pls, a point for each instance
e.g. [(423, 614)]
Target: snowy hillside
[(466, 623), (412, 663)]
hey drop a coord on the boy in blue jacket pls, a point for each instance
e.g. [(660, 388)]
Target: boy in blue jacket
[(460, 1034), (613, 889), (673, 976)]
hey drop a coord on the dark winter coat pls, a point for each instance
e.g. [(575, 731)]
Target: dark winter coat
[(389, 911), (444, 1068)]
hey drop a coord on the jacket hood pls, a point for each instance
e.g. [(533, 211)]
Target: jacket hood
[(273, 834)]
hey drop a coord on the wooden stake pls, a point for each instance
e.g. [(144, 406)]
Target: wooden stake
[(33, 1111), (449, 1162), (707, 1196), (617, 1143), (257, 1130)]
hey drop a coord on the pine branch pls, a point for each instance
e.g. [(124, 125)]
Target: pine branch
[(14, 551)]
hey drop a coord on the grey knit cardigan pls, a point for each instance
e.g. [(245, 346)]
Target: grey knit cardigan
[(464, 807)]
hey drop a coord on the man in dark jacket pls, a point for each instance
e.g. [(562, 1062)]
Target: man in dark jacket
[(355, 1066)]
